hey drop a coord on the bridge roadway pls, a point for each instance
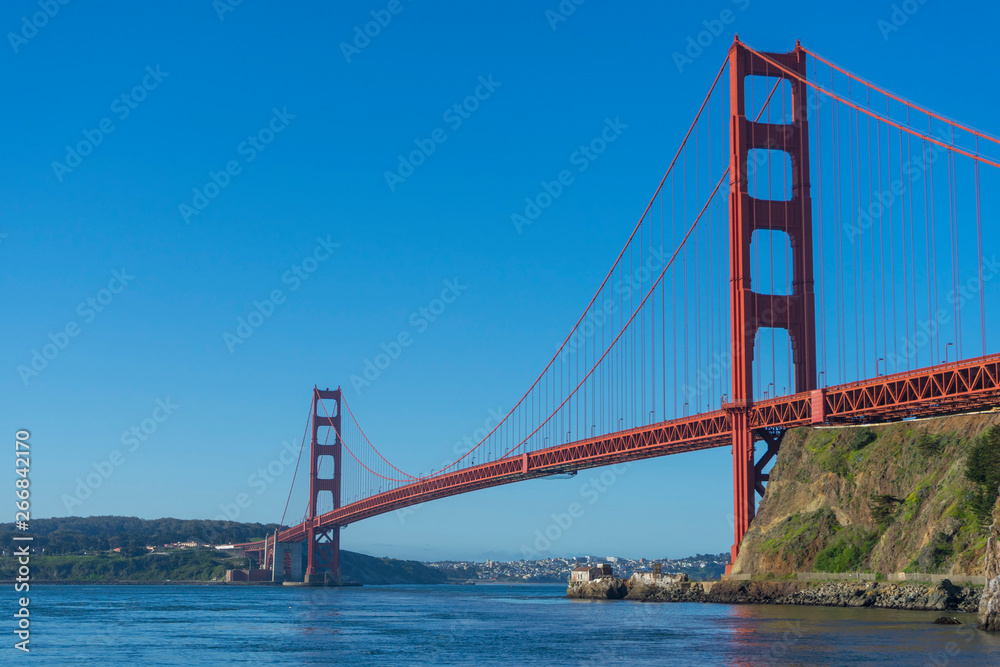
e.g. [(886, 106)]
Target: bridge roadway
[(940, 390)]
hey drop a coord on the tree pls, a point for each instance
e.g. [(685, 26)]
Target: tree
[(982, 468)]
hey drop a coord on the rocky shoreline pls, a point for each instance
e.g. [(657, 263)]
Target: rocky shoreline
[(989, 607), (912, 596)]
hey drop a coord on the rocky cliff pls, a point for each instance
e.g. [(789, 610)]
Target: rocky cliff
[(989, 605), (880, 499)]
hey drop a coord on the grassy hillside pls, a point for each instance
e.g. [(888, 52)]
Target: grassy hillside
[(375, 571), (77, 549), (879, 499), (187, 565), (74, 534), (203, 565)]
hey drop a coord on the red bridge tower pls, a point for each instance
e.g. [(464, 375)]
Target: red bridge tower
[(324, 543), (752, 310)]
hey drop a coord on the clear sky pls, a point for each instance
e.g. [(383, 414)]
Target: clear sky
[(154, 237)]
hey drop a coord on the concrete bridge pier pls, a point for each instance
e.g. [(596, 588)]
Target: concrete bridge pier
[(287, 561)]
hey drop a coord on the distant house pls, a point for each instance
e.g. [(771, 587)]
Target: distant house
[(585, 573)]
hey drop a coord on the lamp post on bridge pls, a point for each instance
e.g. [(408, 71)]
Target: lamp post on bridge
[(946, 351)]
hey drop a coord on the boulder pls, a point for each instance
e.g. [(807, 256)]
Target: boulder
[(605, 588), (943, 596)]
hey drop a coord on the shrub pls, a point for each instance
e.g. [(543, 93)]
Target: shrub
[(862, 438), (982, 468), (936, 553), (883, 508), (838, 465), (848, 552), (930, 445)]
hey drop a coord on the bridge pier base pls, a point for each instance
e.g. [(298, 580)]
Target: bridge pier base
[(748, 476), (287, 561), (324, 556)]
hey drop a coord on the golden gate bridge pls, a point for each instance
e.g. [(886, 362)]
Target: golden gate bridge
[(840, 278)]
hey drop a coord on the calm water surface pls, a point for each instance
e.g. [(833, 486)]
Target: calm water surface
[(468, 625)]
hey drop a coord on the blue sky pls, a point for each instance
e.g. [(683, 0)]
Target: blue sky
[(308, 211)]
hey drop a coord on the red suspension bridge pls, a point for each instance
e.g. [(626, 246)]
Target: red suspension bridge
[(840, 278)]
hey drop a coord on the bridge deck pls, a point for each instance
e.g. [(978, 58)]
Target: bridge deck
[(940, 390)]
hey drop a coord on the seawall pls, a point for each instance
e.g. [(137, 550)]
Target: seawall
[(886, 595)]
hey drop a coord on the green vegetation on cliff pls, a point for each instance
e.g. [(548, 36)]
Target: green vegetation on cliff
[(377, 571), (910, 496), (983, 470)]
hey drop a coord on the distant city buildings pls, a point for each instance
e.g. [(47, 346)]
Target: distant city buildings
[(558, 570), (584, 573)]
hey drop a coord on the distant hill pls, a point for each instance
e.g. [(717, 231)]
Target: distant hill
[(202, 565), (75, 535), (377, 571), (78, 549)]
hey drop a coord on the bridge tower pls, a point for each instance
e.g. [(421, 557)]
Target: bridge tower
[(323, 544), (752, 310)]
